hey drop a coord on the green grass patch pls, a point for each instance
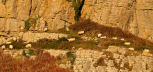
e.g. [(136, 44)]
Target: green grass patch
[(30, 22), (62, 43), (16, 44), (24, 53), (31, 52), (77, 5), (71, 56), (4, 1)]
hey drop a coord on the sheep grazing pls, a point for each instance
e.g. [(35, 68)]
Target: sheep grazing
[(122, 39), (81, 32), (71, 39), (114, 38), (99, 35), (11, 46), (131, 49), (8, 42), (45, 29), (127, 43), (28, 46), (103, 37)]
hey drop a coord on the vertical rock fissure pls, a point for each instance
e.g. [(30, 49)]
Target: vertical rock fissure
[(78, 5), (30, 8), (135, 13), (78, 8), (4, 1)]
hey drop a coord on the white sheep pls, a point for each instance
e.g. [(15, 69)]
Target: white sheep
[(28, 46), (11, 46), (115, 38), (132, 49), (122, 39), (103, 37), (99, 35), (127, 43), (81, 32), (45, 29), (71, 39)]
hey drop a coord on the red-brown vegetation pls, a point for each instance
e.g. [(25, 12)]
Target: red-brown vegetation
[(42, 63)]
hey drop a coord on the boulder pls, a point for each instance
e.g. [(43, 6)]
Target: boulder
[(3, 46), (145, 51), (14, 39)]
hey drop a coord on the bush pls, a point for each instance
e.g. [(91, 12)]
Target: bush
[(89, 45), (27, 24), (30, 22), (42, 63), (4, 1), (31, 52), (71, 55), (62, 43), (77, 4), (24, 53), (16, 44), (69, 0)]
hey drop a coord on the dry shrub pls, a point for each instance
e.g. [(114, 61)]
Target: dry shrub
[(90, 26), (100, 62), (42, 63)]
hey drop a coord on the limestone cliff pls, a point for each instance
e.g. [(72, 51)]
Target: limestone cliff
[(54, 14), (135, 16)]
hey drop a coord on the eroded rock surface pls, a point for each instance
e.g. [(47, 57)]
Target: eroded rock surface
[(113, 59), (135, 16), (53, 13)]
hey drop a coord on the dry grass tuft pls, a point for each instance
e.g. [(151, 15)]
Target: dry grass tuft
[(42, 63)]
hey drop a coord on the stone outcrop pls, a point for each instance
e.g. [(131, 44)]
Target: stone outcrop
[(33, 37), (113, 59), (135, 16), (54, 14), (30, 37)]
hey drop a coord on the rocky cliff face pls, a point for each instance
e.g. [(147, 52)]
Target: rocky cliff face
[(135, 16), (54, 14)]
